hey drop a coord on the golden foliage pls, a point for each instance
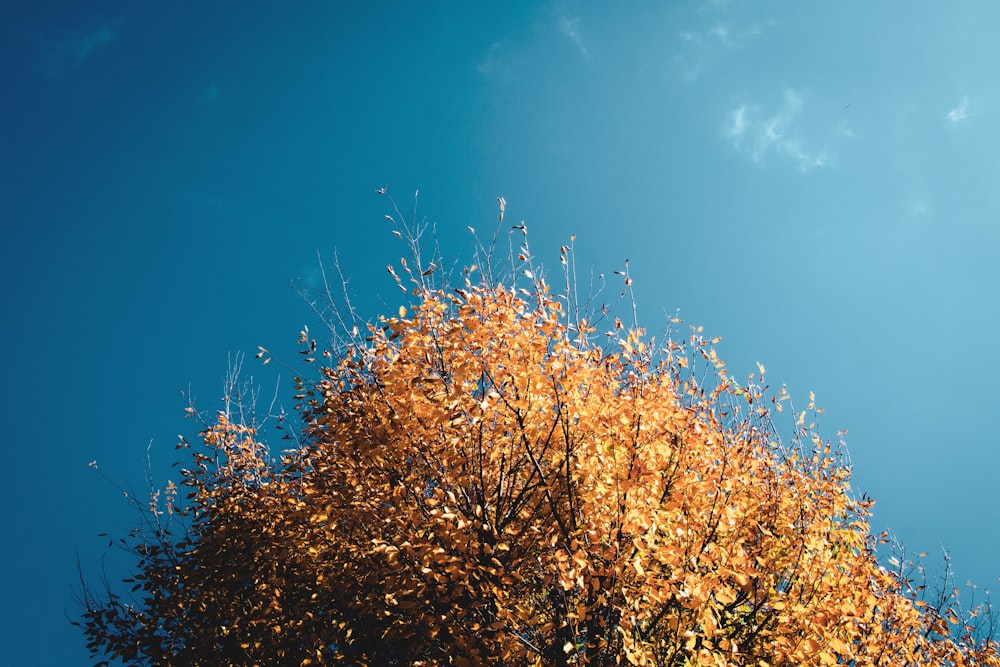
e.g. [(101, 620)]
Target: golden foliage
[(480, 484)]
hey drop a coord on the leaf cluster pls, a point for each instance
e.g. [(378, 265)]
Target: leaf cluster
[(478, 482)]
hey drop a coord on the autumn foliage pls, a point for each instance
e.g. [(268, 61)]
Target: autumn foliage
[(483, 479)]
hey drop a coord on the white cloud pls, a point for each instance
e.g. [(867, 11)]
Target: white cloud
[(845, 130), (755, 134), (720, 31), (569, 26), (802, 158), (738, 123), (961, 112)]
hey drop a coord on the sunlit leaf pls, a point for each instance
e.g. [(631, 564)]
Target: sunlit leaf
[(478, 482)]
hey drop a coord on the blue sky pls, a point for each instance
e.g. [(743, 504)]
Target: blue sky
[(815, 184)]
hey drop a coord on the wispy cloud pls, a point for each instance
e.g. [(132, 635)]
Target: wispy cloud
[(498, 62), (508, 57), (918, 207), (843, 129), (211, 94), (756, 134), (569, 26), (73, 52), (698, 50), (86, 44), (737, 126), (720, 32), (713, 5), (961, 112)]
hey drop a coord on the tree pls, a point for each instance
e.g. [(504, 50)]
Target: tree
[(478, 481)]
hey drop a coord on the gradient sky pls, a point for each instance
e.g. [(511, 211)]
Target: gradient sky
[(817, 184)]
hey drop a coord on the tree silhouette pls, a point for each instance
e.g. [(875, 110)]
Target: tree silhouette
[(482, 479)]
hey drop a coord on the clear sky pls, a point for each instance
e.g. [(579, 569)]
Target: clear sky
[(814, 182)]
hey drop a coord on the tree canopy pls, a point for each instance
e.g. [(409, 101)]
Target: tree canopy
[(483, 479)]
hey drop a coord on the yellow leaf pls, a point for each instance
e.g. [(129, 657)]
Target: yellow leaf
[(839, 646)]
